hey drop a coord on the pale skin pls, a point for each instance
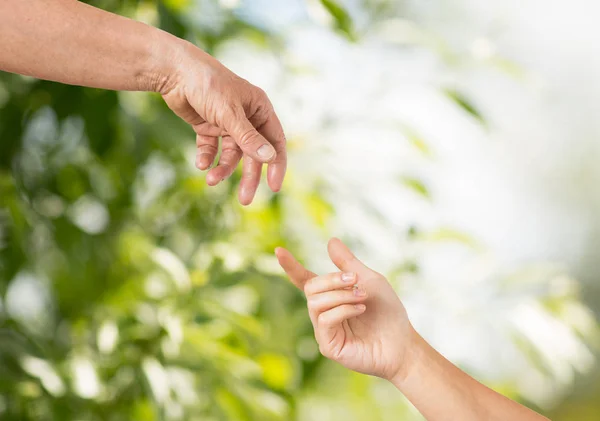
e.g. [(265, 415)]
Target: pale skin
[(71, 42), (360, 322)]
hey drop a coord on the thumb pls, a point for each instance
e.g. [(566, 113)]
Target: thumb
[(344, 259), (250, 141)]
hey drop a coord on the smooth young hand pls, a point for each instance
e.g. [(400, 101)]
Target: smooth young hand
[(357, 316), (360, 322)]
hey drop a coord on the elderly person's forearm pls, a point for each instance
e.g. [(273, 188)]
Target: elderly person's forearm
[(71, 42)]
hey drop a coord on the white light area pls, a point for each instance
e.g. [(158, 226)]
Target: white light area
[(147, 14), (242, 299), (205, 14), (173, 410), (271, 401), (561, 350), (42, 129), (157, 378), (241, 55), (27, 300), (173, 266), (171, 343), (146, 314), (183, 383), (482, 48), (318, 13), (107, 337), (268, 264), (47, 375), (560, 347), (89, 214), (524, 186), (274, 15), (156, 286), (85, 379), (546, 126), (156, 176), (172, 324), (233, 258), (230, 4)]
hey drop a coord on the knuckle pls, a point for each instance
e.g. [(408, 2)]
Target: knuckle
[(311, 302), (324, 319), (309, 286), (227, 112), (209, 149), (249, 137)]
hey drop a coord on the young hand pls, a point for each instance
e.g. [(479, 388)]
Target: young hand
[(358, 319)]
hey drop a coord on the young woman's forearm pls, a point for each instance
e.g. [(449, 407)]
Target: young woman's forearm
[(441, 391), (71, 42)]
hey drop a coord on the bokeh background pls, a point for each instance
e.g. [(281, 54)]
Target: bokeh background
[(453, 144)]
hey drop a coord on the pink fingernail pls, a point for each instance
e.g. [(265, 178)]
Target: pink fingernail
[(360, 292), (347, 277), (265, 151), (360, 307)]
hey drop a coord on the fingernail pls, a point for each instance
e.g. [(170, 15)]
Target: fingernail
[(266, 151), (347, 277), (360, 307), (360, 292)]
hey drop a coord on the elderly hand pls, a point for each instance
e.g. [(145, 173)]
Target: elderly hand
[(217, 103), (75, 43)]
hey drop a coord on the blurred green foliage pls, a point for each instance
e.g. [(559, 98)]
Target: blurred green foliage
[(149, 301), (129, 289)]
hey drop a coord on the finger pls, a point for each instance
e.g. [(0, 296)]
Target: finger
[(329, 282), (229, 160), (344, 259), (250, 179), (207, 129), (325, 301), (207, 148), (331, 319), (297, 273), (247, 137), (273, 132)]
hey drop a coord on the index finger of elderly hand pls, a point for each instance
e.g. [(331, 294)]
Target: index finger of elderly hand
[(297, 273), (273, 132), (329, 282)]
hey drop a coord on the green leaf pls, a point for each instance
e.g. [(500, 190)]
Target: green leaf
[(343, 20), (465, 104), (417, 186)]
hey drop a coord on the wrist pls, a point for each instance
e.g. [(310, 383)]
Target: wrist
[(413, 358), (159, 71)]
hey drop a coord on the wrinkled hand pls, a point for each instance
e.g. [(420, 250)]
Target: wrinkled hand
[(217, 103), (357, 316)]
